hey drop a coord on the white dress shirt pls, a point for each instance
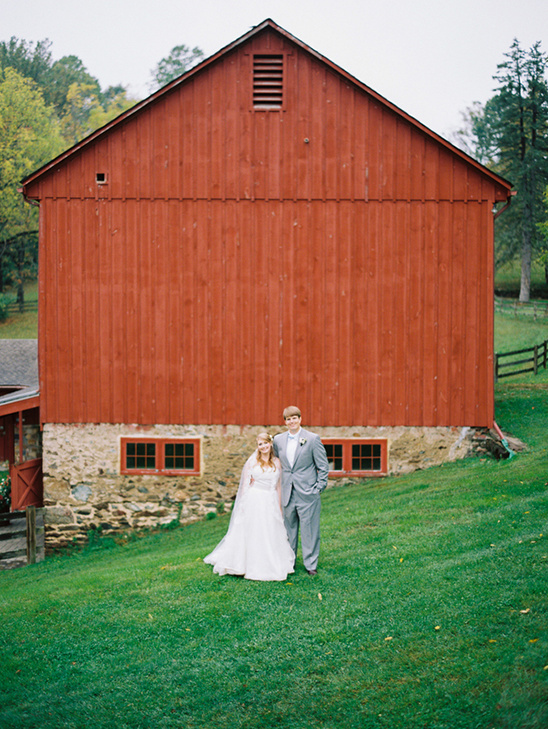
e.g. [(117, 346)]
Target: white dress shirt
[(292, 441)]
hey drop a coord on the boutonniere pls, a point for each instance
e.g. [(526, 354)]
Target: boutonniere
[(302, 441)]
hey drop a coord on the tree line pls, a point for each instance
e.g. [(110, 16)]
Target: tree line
[(47, 106)]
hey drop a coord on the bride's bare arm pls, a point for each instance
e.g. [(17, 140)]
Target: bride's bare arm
[(279, 481)]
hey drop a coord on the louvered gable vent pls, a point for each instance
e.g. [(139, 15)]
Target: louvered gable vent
[(267, 81)]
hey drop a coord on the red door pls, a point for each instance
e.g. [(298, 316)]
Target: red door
[(27, 488)]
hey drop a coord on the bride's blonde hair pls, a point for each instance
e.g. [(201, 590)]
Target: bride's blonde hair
[(270, 463)]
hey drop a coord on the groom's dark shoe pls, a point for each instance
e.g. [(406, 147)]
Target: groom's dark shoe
[(312, 572)]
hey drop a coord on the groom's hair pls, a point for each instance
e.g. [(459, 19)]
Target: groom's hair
[(291, 410)]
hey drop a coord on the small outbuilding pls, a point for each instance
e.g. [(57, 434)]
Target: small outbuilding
[(265, 230), (20, 437)]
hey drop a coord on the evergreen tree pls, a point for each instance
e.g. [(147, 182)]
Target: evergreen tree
[(521, 134), (510, 135)]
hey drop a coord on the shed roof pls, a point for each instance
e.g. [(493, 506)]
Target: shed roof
[(266, 24), (18, 363), (19, 370)]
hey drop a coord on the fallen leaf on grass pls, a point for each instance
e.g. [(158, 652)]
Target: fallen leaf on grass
[(320, 596), (533, 640), (524, 612), (389, 638)]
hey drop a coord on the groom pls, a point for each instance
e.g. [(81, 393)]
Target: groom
[(304, 477)]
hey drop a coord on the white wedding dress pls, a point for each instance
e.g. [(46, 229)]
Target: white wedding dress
[(255, 545)]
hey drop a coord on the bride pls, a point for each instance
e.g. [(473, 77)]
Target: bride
[(256, 545)]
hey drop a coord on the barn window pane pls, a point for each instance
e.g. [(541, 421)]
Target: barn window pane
[(334, 453), (366, 457), (179, 456), (141, 456)]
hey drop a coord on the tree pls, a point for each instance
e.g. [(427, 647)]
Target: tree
[(113, 102), (67, 85), (44, 106), (85, 112), (29, 137), (522, 135), (63, 74), (510, 135), (475, 136), (32, 60), (543, 228), (180, 60)]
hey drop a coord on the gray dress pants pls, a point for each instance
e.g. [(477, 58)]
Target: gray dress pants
[(304, 511)]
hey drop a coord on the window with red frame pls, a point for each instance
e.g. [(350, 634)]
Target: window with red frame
[(356, 456), (179, 456)]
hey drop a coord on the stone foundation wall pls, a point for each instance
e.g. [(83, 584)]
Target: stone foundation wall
[(84, 489)]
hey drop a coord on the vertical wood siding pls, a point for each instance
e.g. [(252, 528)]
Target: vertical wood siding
[(228, 267)]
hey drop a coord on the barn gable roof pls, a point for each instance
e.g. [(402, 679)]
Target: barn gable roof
[(200, 68)]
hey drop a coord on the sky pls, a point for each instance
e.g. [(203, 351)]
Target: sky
[(431, 58)]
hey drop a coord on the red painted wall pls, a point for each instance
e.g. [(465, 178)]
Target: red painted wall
[(228, 267)]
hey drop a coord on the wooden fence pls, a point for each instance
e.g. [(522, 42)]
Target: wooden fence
[(14, 308), (534, 309), (530, 360), (21, 538)]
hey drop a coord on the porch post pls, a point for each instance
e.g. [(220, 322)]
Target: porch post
[(20, 436)]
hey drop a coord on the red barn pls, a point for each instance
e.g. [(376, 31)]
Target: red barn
[(265, 230)]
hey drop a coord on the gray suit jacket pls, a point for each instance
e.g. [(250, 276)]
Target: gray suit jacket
[(308, 476)]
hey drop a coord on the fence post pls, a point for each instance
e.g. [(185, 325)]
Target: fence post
[(31, 534), (496, 367)]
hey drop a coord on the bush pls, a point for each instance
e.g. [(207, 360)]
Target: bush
[(5, 493)]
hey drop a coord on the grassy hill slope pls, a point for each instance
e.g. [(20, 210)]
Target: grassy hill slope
[(429, 610)]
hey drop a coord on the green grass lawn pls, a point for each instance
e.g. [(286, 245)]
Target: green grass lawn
[(22, 326), (429, 610)]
